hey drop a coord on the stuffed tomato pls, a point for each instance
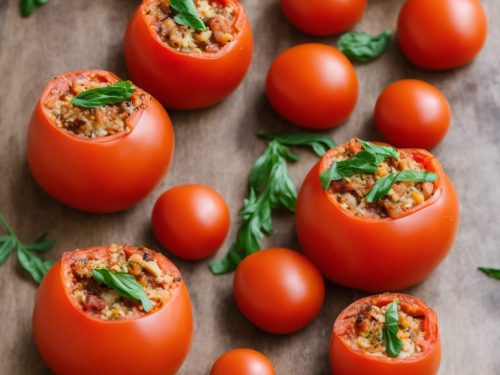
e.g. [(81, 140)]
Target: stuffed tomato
[(87, 325), (96, 155), (384, 221), (186, 65), (386, 334)]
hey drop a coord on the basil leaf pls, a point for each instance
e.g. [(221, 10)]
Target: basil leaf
[(362, 47), (381, 152), (124, 284), (41, 244), (393, 344), (491, 272), (27, 7), (7, 246), (320, 143), (98, 97), (34, 265), (384, 185), (187, 14)]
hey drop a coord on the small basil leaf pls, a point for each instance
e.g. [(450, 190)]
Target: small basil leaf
[(27, 7), (34, 265), (190, 20), (416, 176), (6, 248), (380, 151), (362, 47), (329, 175), (98, 97), (393, 344), (384, 185), (183, 6), (320, 143), (491, 272), (41, 245)]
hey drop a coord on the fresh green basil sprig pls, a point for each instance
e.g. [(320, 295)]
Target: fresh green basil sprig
[(270, 187), (393, 344), (32, 263), (384, 185), (491, 272), (363, 47), (187, 14), (116, 93), (29, 6), (125, 285)]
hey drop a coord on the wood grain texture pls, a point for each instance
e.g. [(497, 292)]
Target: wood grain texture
[(216, 147)]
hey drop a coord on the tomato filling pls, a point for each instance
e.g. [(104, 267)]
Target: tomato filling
[(89, 122), (219, 18), (104, 302), (350, 192)]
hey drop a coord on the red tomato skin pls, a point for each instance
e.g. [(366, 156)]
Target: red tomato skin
[(412, 113), (298, 90), (73, 343), (278, 290), (442, 34), (101, 175), (191, 221), (242, 362), (347, 361), (187, 81), (323, 17), (376, 255)]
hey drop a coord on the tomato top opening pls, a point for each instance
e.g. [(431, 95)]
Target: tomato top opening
[(405, 197), (96, 300)]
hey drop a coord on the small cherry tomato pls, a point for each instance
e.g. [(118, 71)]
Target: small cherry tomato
[(442, 34), (279, 290), (312, 85), (242, 362), (412, 113), (191, 221), (323, 17)]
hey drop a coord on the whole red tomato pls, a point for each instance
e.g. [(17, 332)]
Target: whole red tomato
[(187, 80), (346, 360), (376, 254), (73, 342), (412, 113), (313, 86), (279, 290), (191, 221), (242, 362), (442, 34), (104, 174), (323, 17)]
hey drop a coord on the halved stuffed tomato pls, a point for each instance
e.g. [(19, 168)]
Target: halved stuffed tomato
[(102, 158), (113, 310), (185, 67), (362, 341), (388, 243)]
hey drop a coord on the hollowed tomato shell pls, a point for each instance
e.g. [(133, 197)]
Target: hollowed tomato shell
[(376, 254), (73, 342), (187, 80), (105, 174), (346, 360)]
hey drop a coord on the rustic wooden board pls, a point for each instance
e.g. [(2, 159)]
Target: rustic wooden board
[(216, 147)]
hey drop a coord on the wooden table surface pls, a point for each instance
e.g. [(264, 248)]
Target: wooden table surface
[(216, 147)]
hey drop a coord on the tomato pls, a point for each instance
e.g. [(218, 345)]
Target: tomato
[(279, 290), (346, 360), (323, 17), (187, 80), (312, 85), (191, 221), (412, 113), (242, 362), (442, 34), (104, 174), (74, 342), (376, 254)]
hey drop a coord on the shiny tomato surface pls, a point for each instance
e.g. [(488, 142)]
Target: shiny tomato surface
[(412, 113), (279, 290), (346, 360), (242, 362), (313, 86), (191, 221), (442, 34), (187, 80), (323, 17), (104, 174), (73, 342), (376, 254)]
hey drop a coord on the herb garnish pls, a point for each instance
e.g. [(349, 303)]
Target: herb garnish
[(187, 14), (363, 47), (29, 6), (270, 187), (491, 272), (384, 185), (98, 97), (125, 285), (31, 262), (393, 344)]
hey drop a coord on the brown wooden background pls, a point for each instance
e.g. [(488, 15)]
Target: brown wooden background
[(216, 147)]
